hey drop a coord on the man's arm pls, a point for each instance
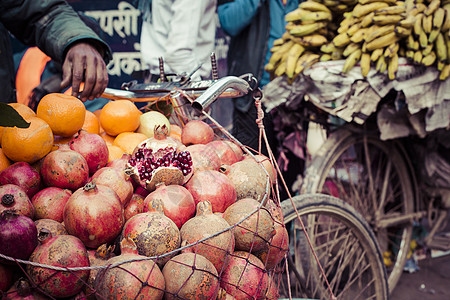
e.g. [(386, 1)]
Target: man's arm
[(235, 15)]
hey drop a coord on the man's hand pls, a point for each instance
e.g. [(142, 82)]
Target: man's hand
[(83, 63)]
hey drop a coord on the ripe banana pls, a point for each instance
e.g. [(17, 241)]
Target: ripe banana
[(327, 48), (402, 31), (411, 43), (302, 30), (337, 54), (325, 57), (376, 54), (441, 48), (351, 60), (292, 57), (427, 23), (438, 18), (391, 10), (295, 15), (280, 69), (306, 60), (391, 50), (429, 59), (365, 64), (445, 72), (341, 40), (316, 16), (387, 19), (381, 64), (312, 40), (427, 50), (361, 10), (313, 6), (354, 28), (408, 22), (352, 47), (423, 39), (418, 57), (432, 6), (418, 24), (360, 35), (410, 54), (278, 55), (382, 41), (363, 2), (393, 67), (367, 19), (446, 24), (433, 35), (380, 31)]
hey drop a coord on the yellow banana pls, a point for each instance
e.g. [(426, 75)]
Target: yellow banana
[(445, 72), (295, 15), (380, 31), (392, 66), (418, 24), (423, 39), (402, 31), (391, 10), (278, 55), (341, 40), (382, 41), (312, 40), (427, 50), (292, 57), (301, 30), (367, 19), (313, 6), (363, 2), (446, 24), (381, 64), (337, 54), (281, 68), (408, 22), (307, 59), (438, 18), (361, 10), (365, 64), (427, 23), (391, 49), (440, 65), (387, 19), (316, 16), (418, 57), (432, 6), (347, 23), (429, 59), (410, 43), (441, 48), (410, 54), (350, 48), (376, 54), (433, 35), (331, 3), (409, 5), (351, 60), (325, 57), (327, 48), (360, 35), (354, 28), (277, 42)]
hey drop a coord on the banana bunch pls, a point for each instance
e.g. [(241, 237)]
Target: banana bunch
[(306, 30), (339, 6)]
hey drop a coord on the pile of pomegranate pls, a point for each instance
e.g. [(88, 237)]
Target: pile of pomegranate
[(188, 218)]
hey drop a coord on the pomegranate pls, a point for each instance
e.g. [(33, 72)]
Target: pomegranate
[(135, 206), (275, 210), (203, 157), (120, 164), (18, 235), (64, 168), (244, 277), (153, 233), (256, 230), (97, 257), (196, 132), (236, 148), (141, 191), (190, 276), (112, 178), (158, 159), (275, 250), (249, 179), (94, 214), (55, 228), (23, 175), (213, 186), (6, 278), (272, 290), (150, 119), (22, 290), (131, 276), (224, 151), (267, 164), (65, 251), (13, 197), (92, 147), (49, 203), (178, 203), (206, 224)]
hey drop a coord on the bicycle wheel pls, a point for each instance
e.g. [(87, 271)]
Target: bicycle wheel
[(345, 247), (373, 177)]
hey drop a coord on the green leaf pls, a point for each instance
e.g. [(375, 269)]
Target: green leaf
[(9, 117)]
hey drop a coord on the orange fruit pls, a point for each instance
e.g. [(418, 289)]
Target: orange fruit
[(28, 144), (64, 113), (23, 110), (115, 152), (109, 139), (119, 116), (91, 123), (4, 161), (127, 141)]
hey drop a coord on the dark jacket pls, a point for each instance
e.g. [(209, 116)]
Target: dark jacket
[(52, 25)]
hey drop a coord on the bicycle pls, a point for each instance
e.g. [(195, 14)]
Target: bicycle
[(333, 252)]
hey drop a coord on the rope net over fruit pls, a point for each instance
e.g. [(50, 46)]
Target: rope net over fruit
[(225, 238)]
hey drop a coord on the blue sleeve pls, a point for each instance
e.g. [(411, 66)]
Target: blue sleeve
[(236, 15)]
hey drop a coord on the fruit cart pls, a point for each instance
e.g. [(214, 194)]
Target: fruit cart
[(308, 246)]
